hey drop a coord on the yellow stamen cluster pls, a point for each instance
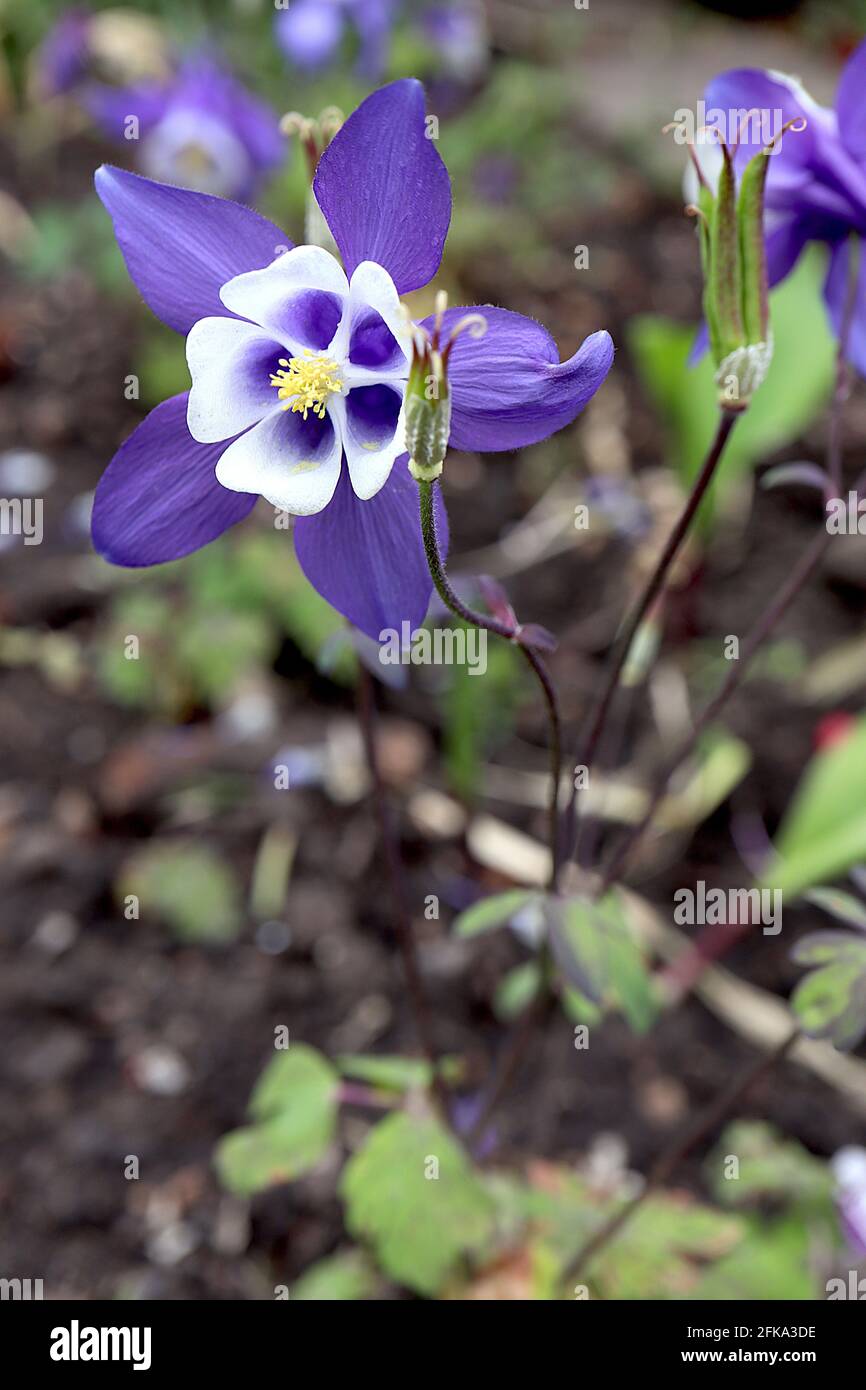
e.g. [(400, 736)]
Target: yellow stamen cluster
[(305, 383)]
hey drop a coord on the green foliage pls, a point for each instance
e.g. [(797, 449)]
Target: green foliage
[(516, 990), (160, 364), (770, 1265), (830, 1002), (670, 1237), (778, 1174), (599, 959), (722, 763), (205, 625), (824, 831), (658, 1254), (769, 1167), (264, 576), (420, 1224), (796, 389), (188, 654), (69, 234), (496, 911), (294, 1107), (578, 940), (395, 1073), (188, 885), (346, 1276), (842, 905), (516, 96), (479, 713)]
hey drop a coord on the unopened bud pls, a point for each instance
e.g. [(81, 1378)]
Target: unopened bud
[(734, 261)]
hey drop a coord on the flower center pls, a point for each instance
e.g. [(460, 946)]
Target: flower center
[(305, 383)]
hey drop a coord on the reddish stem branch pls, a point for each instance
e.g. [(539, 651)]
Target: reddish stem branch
[(670, 1160)]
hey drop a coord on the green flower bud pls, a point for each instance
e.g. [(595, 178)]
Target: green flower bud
[(427, 413), (427, 403), (734, 262)]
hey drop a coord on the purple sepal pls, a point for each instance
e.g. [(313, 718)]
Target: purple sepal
[(367, 558), (509, 388), (383, 189), (159, 499), (181, 247)]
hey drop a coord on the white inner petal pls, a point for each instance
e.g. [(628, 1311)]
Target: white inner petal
[(369, 460), (229, 365), (262, 295), (293, 463), (276, 459), (372, 288)]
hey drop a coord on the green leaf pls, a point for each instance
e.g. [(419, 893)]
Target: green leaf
[(516, 990), (600, 960), (413, 1194), (295, 1105), (656, 1255), (824, 832), (631, 983), (346, 1276), (824, 947), (578, 1008), (218, 649), (493, 912), (831, 1003), (797, 386), (772, 1264), (388, 1073), (839, 904), (769, 1166), (722, 764), (578, 942), (188, 885), (299, 1081)]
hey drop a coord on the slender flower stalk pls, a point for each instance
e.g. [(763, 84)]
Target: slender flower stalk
[(775, 610), (601, 709), (511, 633)]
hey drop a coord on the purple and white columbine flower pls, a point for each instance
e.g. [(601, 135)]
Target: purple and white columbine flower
[(299, 368), (310, 32), (202, 129), (816, 185)]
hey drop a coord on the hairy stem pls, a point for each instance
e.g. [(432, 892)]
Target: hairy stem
[(511, 633)]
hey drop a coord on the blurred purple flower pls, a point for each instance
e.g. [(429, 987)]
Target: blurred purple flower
[(849, 1170), (495, 178), (299, 369), (310, 32), (816, 186), (201, 130), (466, 1111), (458, 33), (63, 58)]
